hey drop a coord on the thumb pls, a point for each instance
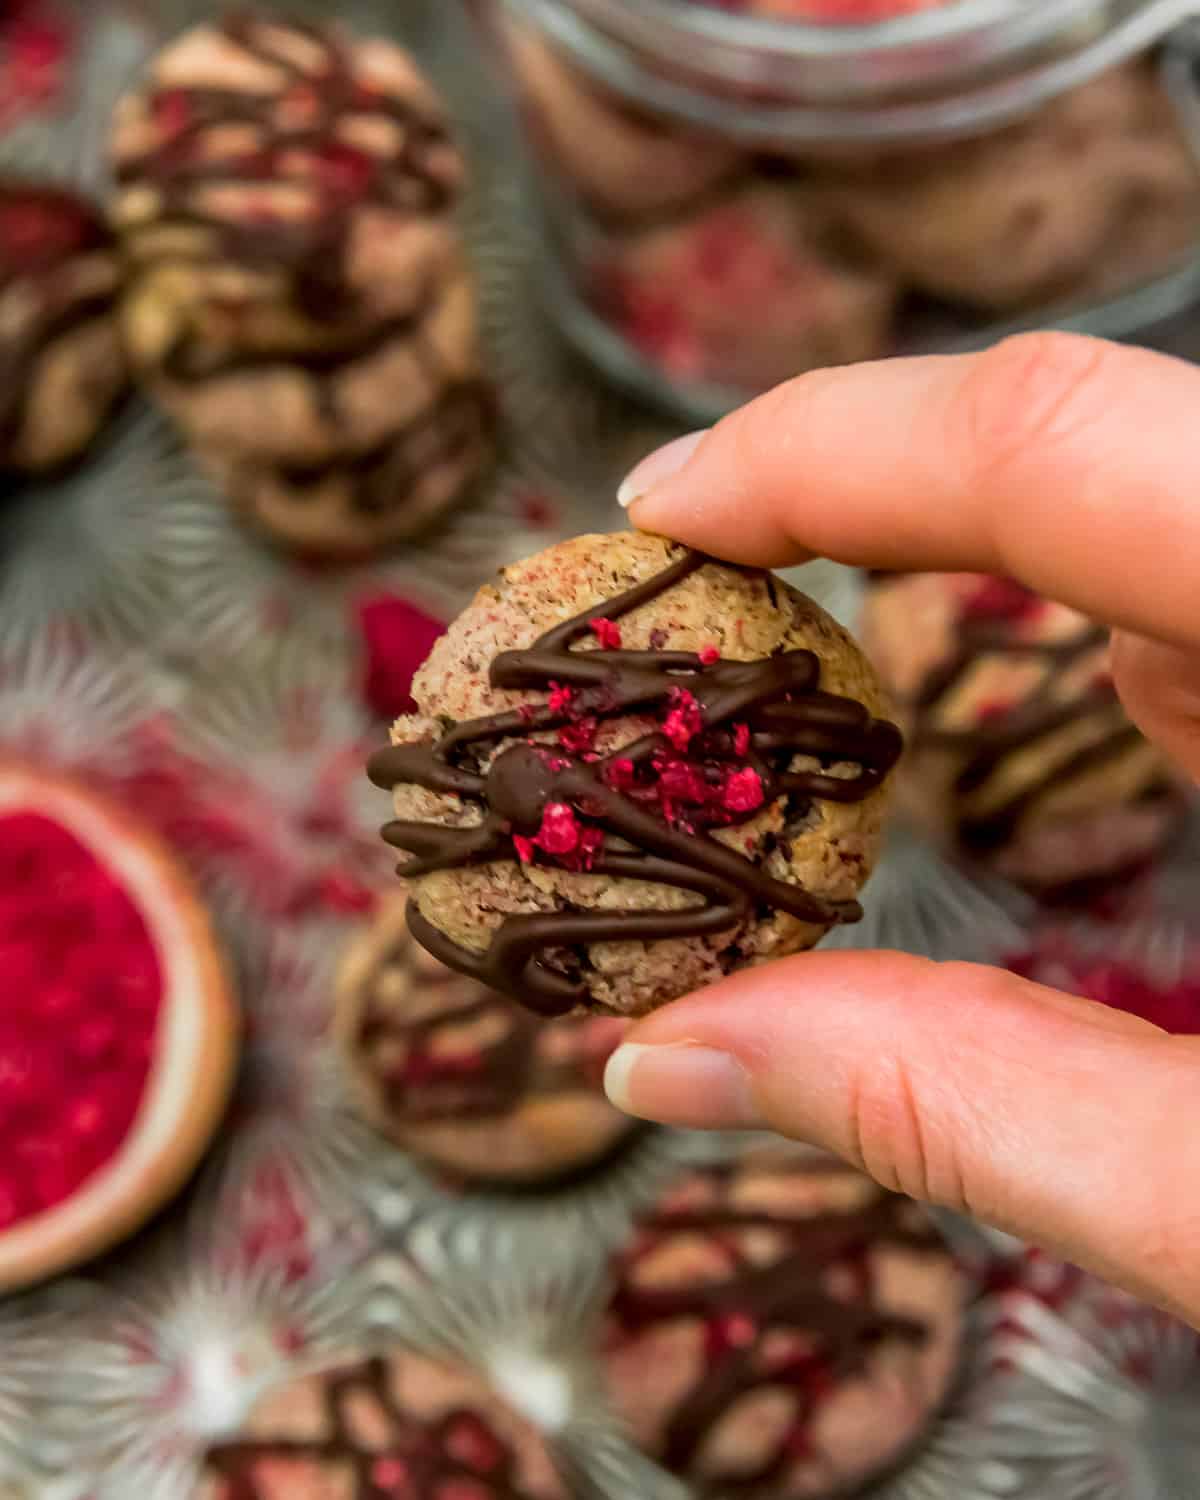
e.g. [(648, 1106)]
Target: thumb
[(1039, 1113)]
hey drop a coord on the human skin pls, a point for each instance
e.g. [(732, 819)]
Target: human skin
[(1073, 466)]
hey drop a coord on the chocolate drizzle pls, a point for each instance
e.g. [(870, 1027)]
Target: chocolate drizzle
[(428, 1457), (789, 1302), (783, 713), (1044, 713), (416, 180)]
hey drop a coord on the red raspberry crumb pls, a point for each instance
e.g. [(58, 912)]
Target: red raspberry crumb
[(993, 710), (560, 697), (684, 720), (343, 170), (741, 739), (559, 833), (398, 637), (524, 848), (743, 790), (619, 774), (470, 1442), (709, 656), (172, 111), (730, 1331), (591, 841), (389, 1473), (608, 634), (578, 738), (1001, 599), (684, 783)]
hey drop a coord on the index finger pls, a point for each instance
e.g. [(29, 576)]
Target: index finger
[(1065, 462)]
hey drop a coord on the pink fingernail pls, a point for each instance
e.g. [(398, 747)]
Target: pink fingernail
[(682, 1084), (657, 466)]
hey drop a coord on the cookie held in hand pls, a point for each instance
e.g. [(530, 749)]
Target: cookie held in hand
[(633, 770)]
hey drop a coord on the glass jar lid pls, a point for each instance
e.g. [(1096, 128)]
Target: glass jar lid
[(960, 67)]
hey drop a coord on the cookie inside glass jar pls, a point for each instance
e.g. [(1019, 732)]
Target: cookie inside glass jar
[(886, 176)]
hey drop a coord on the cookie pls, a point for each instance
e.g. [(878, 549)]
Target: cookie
[(465, 1078), (62, 369), (633, 770), (400, 1425), (1020, 755), (626, 164), (1096, 190), (298, 296), (690, 296), (782, 1327)]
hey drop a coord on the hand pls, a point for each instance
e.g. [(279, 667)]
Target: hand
[(1073, 466)]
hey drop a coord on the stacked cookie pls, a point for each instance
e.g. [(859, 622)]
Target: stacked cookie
[(297, 295), (282, 271)]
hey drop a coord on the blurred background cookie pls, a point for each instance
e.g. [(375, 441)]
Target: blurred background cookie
[(298, 297), (390, 1425), (464, 1077), (1019, 753), (62, 369), (782, 1326)]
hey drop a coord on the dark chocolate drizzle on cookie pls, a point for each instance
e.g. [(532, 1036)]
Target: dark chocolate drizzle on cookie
[(779, 702), (1044, 713), (312, 251), (788, 1289), (408, 1454)]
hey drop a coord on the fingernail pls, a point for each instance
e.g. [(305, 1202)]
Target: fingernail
[(657, 466), (681, 1084)]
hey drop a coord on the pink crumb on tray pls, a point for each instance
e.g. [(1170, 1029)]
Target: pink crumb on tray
[(397, 637)]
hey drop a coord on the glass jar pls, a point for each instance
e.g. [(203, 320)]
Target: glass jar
[(730, 200)]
